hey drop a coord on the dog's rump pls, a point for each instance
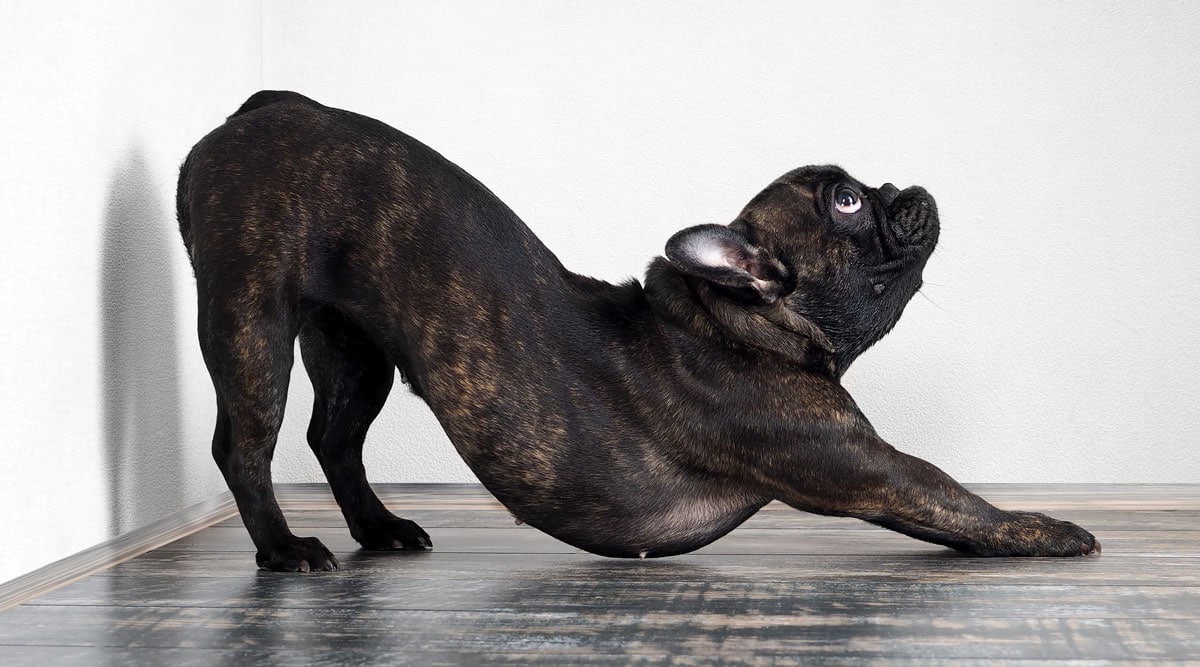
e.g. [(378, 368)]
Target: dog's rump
[(344, 200), (183, 191)]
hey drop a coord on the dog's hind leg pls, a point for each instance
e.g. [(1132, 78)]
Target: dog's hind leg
[(351, 380), (250, 360)]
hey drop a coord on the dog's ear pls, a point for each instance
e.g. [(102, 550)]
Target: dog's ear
[(725, 257)]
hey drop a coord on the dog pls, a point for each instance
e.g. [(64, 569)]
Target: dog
[(632, 420)]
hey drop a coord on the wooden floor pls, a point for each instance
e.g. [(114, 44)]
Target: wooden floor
[(786, 588)]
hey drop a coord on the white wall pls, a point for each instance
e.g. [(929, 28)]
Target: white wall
[(1056, 342), (105, 409)]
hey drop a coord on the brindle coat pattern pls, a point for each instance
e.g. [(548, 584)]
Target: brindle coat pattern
[(626, 420)]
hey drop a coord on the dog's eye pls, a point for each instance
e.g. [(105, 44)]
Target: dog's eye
[(847, 201)]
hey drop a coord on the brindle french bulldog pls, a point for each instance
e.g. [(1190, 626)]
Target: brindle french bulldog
[(626, 420)]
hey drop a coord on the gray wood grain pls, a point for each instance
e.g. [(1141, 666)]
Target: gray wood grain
[(786, 588), (550, 631), (485, 516), (325, 655), (592, 592), (748, 541), (942, 567)]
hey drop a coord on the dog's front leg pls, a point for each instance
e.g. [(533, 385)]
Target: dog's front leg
[(868, 479)]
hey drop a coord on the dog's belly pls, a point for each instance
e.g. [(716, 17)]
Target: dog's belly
[(688, 525), (647, 516), (568, 444)]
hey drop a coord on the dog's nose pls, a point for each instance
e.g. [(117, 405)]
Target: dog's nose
[(887, 194)]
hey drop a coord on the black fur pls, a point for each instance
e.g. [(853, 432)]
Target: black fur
[(625, 420)]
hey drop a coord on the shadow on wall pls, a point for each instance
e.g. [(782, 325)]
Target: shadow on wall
[(140, 377)]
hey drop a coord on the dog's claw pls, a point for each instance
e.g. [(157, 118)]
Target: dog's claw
[(393, 534), (300, 554), (421, 543)]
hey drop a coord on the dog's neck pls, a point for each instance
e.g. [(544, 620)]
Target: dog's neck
[(701, 309)]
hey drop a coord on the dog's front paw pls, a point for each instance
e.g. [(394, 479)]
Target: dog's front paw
[(1033, 534), (392, 533), (299, 554)]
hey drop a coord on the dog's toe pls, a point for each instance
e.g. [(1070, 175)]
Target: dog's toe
[(391, 534), (300, 554)]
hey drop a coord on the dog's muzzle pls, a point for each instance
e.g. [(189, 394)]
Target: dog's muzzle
[(912, 216)]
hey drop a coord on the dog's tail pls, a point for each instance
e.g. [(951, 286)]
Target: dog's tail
[(264, 97), (181, 208), (182, 200)]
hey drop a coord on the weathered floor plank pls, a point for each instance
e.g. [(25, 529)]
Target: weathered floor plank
[(831, 633), (938, 568), (786, 588), (390, 654), (744, 541), (465, 516), (597, 594)]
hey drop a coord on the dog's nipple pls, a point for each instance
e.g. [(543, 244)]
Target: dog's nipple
[(879, 287)]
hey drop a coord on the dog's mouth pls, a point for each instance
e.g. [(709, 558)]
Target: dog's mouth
[(908, 224)]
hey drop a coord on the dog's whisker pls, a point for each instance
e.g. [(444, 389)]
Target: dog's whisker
[(935, 303)]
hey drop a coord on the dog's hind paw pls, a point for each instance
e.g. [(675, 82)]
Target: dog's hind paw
[(299, 554), (391, 534)]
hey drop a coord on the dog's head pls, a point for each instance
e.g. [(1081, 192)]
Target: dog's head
[(817, 254)]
